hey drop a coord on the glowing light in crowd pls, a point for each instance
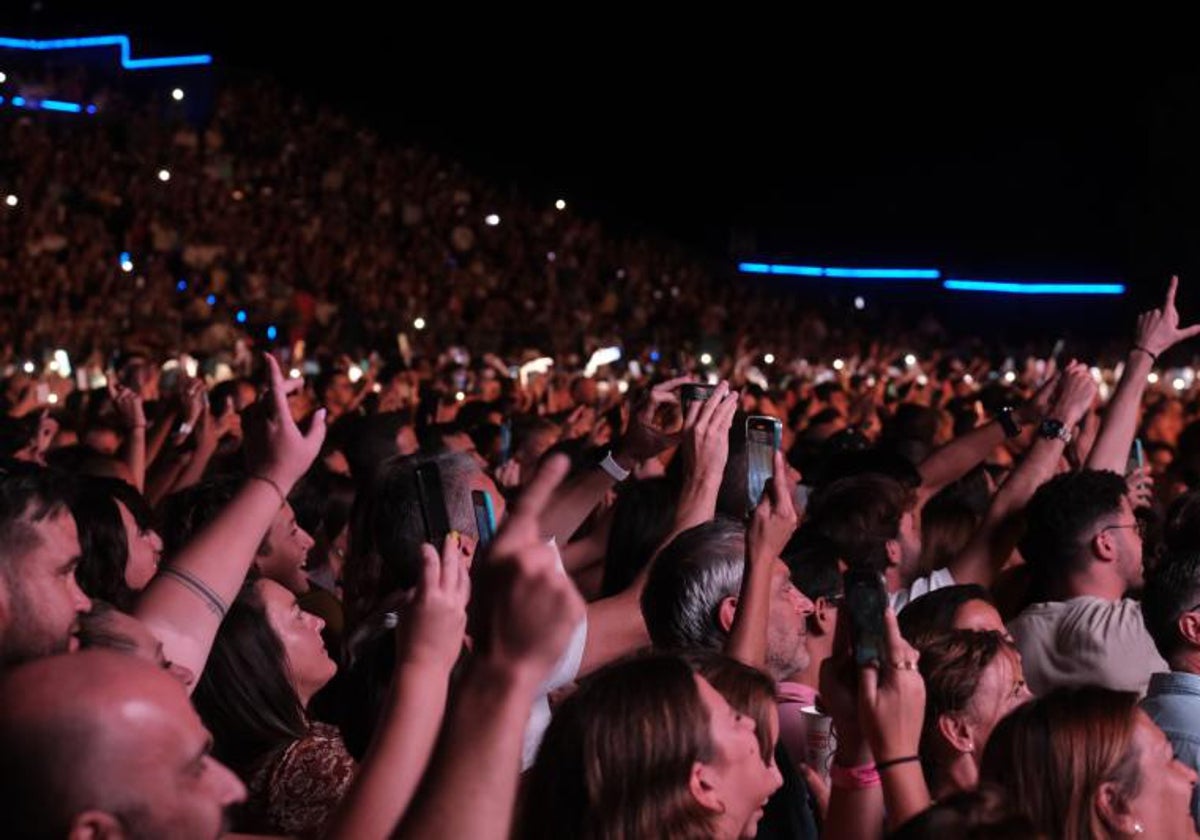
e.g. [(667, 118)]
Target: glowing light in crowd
[(126, 262), (241, 316), (62, 362), (622, 386), (294, 373), (121, 41), (706, 358), (3, 77), (164, 175), (1015, 288), (460, 396), (11, 200), (355, 373), (910, 360), (181, 285), (841, 273), (419, 324), (1152, 378), (52, 399), (1179, 383), (491, 220), (860, 304), (1010, 377), (177, 94), (560, 205), (769, 358), (28, 367), (838, 364), (922, 380), (968, 378), (603, 356), (272, 332), (211, 300)]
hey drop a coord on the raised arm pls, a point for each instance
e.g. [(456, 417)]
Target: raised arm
[(129, 408), (771, 527), (428, 641), (1157, 331), (184, 604), (529, 612), (993, 542)]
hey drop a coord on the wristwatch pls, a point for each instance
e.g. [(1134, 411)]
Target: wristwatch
[(615, 471), (1051, 429), (1007, 419)]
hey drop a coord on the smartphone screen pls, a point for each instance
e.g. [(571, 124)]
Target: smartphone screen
[(1137, 457), (764, 436), (433, 504), (485, 517), (866, 600)]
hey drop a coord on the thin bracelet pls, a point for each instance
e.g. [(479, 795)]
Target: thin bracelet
[(883, 765), (1153, 356), (282, 496)]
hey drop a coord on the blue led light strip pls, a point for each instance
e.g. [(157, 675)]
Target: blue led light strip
[(1014, 288), (841, 273), (121, 41)]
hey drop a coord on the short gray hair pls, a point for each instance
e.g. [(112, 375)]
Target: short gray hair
[(688, 580)]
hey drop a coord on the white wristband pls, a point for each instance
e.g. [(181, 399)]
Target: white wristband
[(614, 470)]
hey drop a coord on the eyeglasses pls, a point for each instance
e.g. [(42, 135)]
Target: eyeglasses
[(1139, 526)]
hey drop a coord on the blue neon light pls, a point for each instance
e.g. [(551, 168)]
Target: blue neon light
[(241, 316), (1011, 288), (211, 300), (840, 273), (57, 105), (272, 332), (121, 41), (123, 258), (181, 285), (18, 101)]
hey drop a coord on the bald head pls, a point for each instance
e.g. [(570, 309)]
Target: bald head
[(105, 739)]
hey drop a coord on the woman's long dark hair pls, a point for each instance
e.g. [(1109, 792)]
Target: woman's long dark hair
[(103, 543), (245, 696)]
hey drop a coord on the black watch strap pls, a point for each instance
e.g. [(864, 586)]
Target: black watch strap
[(1008, 421)]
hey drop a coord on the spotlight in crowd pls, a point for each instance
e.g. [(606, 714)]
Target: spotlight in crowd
[(294, 373), (491, 220), (11, 200), (3, 77), (560, 205), (838, 364), (910, 360), (769, 358), (52, 399), (419, 324), (1010, 377), (272, 332), (241, 316), (860, 304), (355, 373), (164, 175), (460, 396), (177, 94), (706, 358), (28, 367), (1152, 378), (1179, 383)]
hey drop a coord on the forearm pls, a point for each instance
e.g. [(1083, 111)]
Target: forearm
[(955, 459), (396, 759), (193, 472), (747, 641), (615, 628), (905, 793), (185, 609), (158, 435), (1111, 450), (471, 785), (854, 813), (135, 456), (572, 504)]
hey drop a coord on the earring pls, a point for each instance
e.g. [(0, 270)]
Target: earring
[(970, 746)]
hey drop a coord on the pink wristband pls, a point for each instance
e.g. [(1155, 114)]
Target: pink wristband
[(854, 778)]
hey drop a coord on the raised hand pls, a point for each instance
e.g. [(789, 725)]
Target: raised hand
[(646, 437), (432, 624), (775, 519), (275, 447), (1158, 330), (128, 405), (891, 697)]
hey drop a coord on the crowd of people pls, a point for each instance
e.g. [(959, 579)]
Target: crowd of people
[(456, 549)]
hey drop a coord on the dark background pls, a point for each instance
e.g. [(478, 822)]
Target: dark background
[(987, 154)]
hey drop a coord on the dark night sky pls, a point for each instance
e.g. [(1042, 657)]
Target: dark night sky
[(1015, 160)]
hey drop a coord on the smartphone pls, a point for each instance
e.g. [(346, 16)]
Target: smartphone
[(505, 442), (694, 392), (485, 518), (432, 499), (42, 392), (764, 436), (1137, 457), (865, 601)]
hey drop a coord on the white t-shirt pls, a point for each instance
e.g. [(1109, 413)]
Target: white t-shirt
[(564, 673), (921, 586)]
